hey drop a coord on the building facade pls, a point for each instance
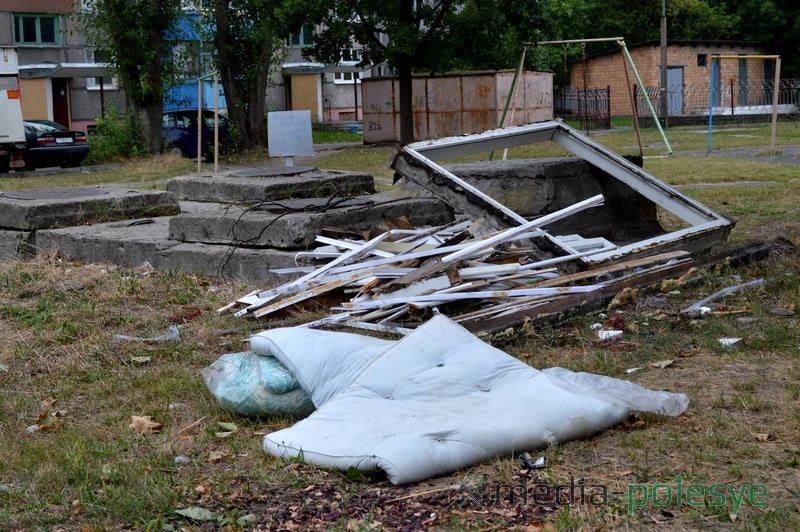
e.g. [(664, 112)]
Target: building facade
[(60, 75), (738, 82)]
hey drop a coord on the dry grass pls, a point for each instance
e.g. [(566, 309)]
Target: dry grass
[(146, 171)]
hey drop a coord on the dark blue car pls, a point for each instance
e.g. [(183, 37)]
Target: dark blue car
[(179, 130)]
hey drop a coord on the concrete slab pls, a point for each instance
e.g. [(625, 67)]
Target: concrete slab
[(131, 243), (15, 244), (288, 230), (44, 208), (252, 189), (534, 187)]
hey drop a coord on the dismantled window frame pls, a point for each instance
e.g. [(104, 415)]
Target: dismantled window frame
[(418, 163)]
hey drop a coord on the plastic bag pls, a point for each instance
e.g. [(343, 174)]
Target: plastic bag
[(248, 384)]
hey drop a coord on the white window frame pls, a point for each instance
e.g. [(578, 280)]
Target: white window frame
[(339, 77), (418, 162), (109, 82)]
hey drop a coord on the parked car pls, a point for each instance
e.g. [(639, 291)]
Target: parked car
[(179, 130), (51, 144)]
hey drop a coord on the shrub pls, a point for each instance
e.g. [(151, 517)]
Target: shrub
[(115, 137)]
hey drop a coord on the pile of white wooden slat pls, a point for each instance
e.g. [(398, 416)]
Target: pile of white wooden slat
[(403, 273), (395, 280)]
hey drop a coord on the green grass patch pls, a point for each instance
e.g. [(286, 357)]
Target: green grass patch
[(330, 136)]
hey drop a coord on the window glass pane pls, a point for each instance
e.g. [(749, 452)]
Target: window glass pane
[(17, 28), (47, 29), (102, 56), (308, 34), (294, 39), (28, 29)]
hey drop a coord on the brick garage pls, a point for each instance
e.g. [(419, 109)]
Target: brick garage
[(686, 59)]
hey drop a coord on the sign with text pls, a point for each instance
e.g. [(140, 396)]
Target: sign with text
[(289, 133)]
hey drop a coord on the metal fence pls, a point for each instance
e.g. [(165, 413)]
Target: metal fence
[(591, 106), (730, 98)]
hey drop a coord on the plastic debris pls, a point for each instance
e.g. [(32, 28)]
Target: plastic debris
[(609, 334), (249, 384), (172, 335), (694, 310), (530, 463), (181, 460), (729, 343)]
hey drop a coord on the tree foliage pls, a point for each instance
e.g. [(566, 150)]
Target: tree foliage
[(135, 33), (775, 24), (248, 37), (405, 33)]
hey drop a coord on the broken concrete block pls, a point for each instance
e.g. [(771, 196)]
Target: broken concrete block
[(15, 244), (44, 208), (253, 189), (256, 228)]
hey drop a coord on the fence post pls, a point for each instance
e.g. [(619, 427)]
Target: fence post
[(608, 105), (635, 99), (732, 104)]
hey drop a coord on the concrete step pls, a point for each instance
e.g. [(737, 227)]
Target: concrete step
[(131, 243), (296, 230), (248, 187), (44, 208)]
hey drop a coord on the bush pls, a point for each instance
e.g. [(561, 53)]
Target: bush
[(114, 137)]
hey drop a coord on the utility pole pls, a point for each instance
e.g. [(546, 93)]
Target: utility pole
[(664, 95)]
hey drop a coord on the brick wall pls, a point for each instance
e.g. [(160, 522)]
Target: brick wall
[(609, 70)]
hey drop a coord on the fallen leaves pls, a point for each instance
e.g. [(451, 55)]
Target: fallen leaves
[(661, 364), (48, 418), (217, 456), (762, 437), (145, 425), (198, 513)]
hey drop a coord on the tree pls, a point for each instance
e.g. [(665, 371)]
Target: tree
[(405, 33), (490, 34), (136, 35), (247, 35), (773, 23)]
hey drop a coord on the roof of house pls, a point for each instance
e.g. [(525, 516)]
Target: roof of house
[(695, 42)]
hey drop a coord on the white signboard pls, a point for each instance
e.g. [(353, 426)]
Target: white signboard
[(289, 133)]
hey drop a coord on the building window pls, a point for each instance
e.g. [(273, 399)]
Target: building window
[(109, 83), (349, 57), (702, 60), (302, 38), (36, 29)]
